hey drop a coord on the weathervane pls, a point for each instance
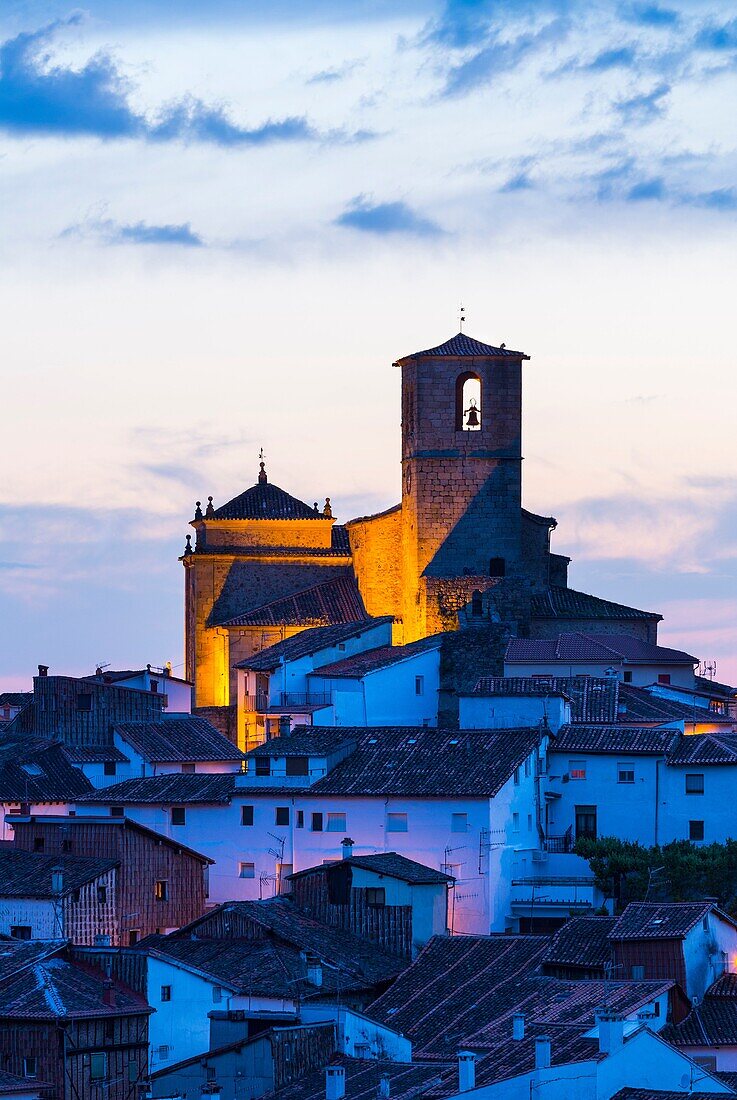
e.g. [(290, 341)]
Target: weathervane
[(262, 467), (462, 316)]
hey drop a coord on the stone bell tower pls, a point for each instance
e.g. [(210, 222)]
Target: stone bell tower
[(461, 477)]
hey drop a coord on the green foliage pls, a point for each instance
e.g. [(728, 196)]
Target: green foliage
[(679, 871)]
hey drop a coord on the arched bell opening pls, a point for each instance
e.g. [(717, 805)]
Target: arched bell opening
[(468, 402)]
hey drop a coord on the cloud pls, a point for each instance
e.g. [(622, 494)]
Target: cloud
[(717, 38), (640, 109), (39, 97), (650, 15), (646, 190), (724, 198), (519, 182), (501, 55), (386, 219), (331, 76), (112, 232), (624, 57)]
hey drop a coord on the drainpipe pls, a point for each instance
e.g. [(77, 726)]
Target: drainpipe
[(658, 762)]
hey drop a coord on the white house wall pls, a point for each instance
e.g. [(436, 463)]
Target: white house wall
[(479, 712)]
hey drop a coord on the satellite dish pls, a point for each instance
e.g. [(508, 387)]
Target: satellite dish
[(685, 1081)]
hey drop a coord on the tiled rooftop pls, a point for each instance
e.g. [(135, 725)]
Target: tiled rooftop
[(334, 601), (33, 770), (643, 920), (592, 698), (565, 603), (29, 874), (371, 660), (463, 345), (57, 989), (312, 640), (266, 501), (582, 942), (630, 740), (579, 646), (706, 748), (391, 864), (174, 789), (191, 739)]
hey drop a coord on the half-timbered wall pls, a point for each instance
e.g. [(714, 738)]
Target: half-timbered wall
[(389, 925)]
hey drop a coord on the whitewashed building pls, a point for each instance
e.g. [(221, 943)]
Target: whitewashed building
[(631, 660)]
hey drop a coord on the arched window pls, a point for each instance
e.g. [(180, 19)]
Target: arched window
[(497, 567), (468, 403)]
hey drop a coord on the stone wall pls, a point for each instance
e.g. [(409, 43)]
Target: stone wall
[(376, 547), (644, 629)]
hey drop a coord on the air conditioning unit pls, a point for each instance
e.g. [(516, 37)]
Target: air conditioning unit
[(539, 857), (565, 778)]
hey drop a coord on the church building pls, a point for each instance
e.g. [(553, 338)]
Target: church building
[(458, 553)]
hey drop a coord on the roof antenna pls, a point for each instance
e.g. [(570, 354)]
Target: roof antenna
[(462, 316), (262, 479)]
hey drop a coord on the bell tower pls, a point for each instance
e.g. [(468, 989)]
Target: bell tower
[(461, 477)]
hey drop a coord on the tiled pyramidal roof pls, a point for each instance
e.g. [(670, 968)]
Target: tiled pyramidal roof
[(266, 501), (462, 345)]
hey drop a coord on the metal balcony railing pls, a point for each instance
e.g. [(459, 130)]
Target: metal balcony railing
[(560, 844)]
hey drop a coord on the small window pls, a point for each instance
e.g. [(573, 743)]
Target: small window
[(528, 767), (163, 1052), (132, 1069), (117, 811), (497, 567), (84, 701), (134, 934), (21, 931), (625, 773), (477, 605), (30, 1067), (376, 896), (637, 973), (189, 768), (627, 676), (316, 823), (178, 815), (706, 1061), (341, 646), (161, 890), (166, 993), (695, 830), (246, 815), (98, 1067), (695, 783), (419, 685), (515, 823), (336, 823), (263, 765), (396, 823), (516, 777), (76, 896), (154, 686), (577, 769), (300, 819), (281, 815), (246, 870), (67, 846), (38, 844), (297, 765), (110, 767), (217, 994), (459, 823), (663, 677)]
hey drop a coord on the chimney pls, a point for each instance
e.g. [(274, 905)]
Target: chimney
[(285, 725), (611, 1030), (314, 972), (108, 993), (518, 1025), (542, 1052), (466, 1070), (334, 1082), (43, 670), (57, 880), (384, 1090), (347, 846)]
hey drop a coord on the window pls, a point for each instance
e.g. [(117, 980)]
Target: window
[(132, 1069), (300, 819), (497, 567), (217, 994), (637, 973), (419, 685), (246, 815), (21, 931), (134, 935), (528, 767), (316, 825), (178, 815), (97, 1067), (75, 896), (188, 769), (154, 685), (110, 767), (281, 815), (161, 890), (297, 765), (117, 811), (166, 993), (577, 769), (263, 765), (585, 822), (468, 402), (515, 823), (38, 844), (477, 605), (706, 1061), (336, 823), (163, 1052), (695, 783), (663, 677), (396, 823), (30, 1067), (67, 846), (625, 773), (529, 823), (84, 701), (459, 823), (246, 870), (627, 676), (695, 830), (516, 777), (375, 896)]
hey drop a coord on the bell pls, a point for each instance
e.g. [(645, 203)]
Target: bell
[(472, 416)]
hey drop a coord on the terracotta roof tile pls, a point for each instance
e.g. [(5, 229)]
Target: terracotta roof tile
[(308, 641), (371, 660), (29, 874), (637, 704), (593, 698), (580, 646), (643, 920), (630, 740), (334, 601), (55, 988), (389, 863), (706, 748), (266, 501), (565, 603), (462, 345), (174, 789), (178, 739), (582, 942), (407, 1081)]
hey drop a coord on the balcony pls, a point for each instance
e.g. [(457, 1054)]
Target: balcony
[(560, 844), (286, 701)]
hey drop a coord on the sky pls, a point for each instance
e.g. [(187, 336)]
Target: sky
[(221, 223)]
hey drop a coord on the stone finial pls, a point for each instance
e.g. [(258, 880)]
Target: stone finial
[(198, 510), (327, 510), (316, 509), (209, 511), (188, 546)]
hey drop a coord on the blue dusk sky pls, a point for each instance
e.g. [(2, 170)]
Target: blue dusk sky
[(221, 222)]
